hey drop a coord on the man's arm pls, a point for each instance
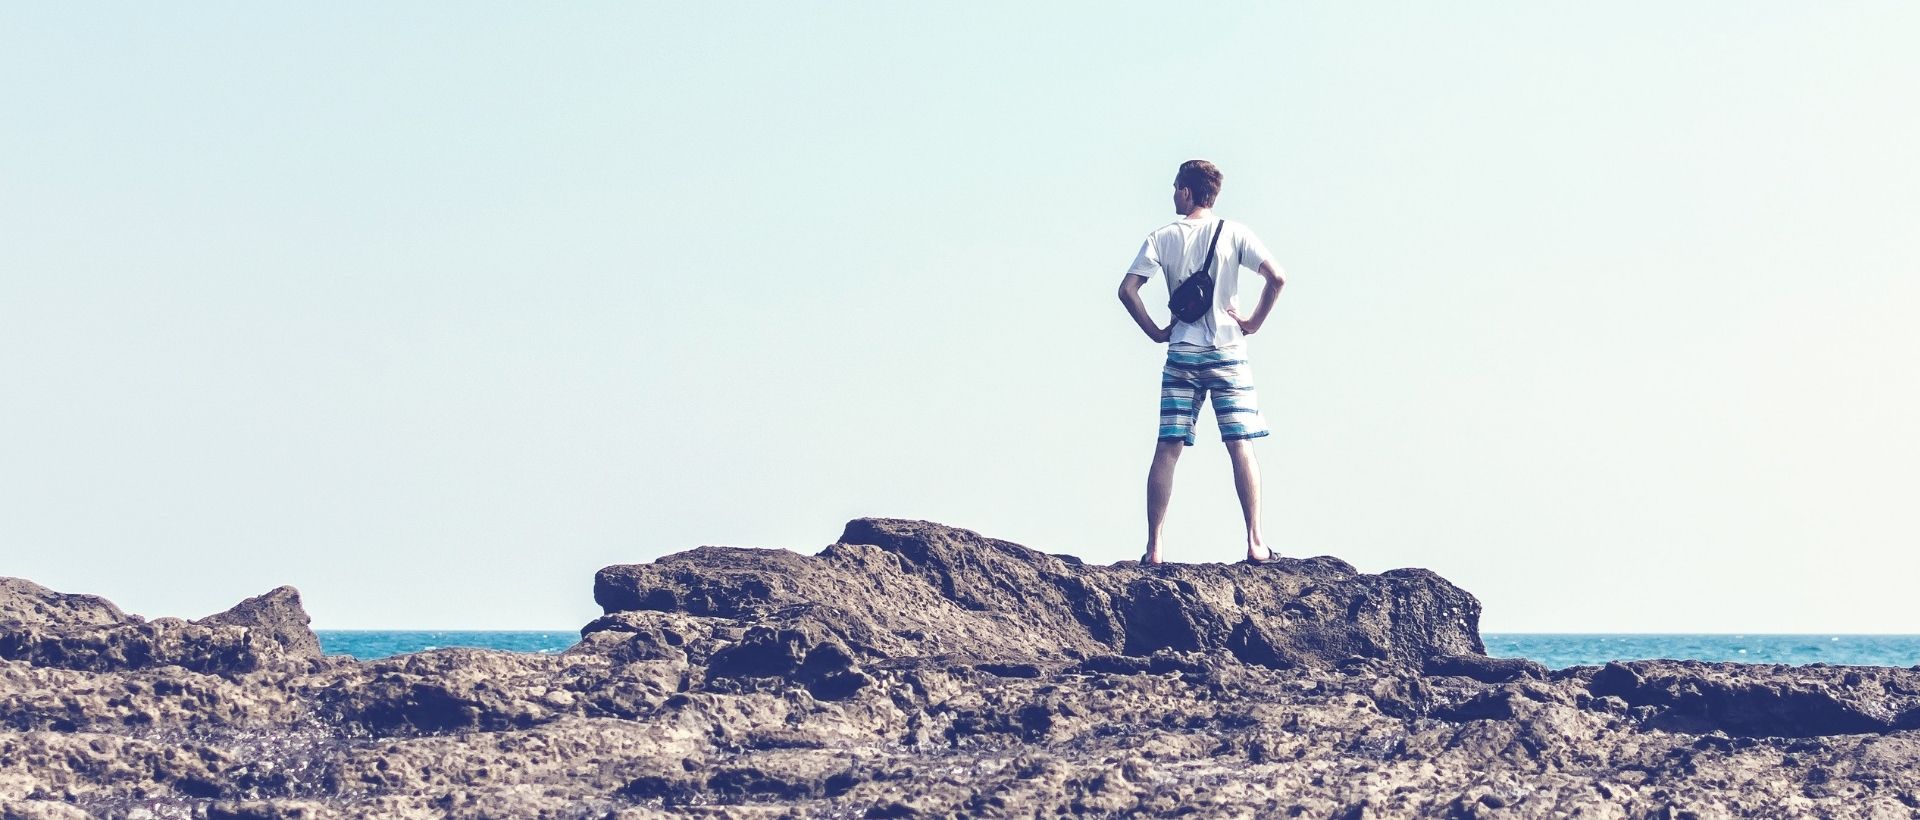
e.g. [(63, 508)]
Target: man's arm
[(1268, 295), (1130, 296)]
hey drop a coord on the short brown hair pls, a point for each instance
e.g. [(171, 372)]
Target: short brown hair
[(1200, 178)]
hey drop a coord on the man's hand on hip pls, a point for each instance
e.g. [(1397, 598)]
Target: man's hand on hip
[(1247, 326), (1130, 297)]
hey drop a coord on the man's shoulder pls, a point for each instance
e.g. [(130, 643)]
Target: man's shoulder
[(1237, 231), (1181, 226), (1208, 223)]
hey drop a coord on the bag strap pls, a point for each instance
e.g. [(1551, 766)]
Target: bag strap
[(1207, 267)]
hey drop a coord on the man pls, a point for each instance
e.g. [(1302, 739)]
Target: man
[(1208, 355)]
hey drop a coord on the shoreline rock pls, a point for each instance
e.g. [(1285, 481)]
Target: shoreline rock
[(87, 633), (912, 669), (899, 589)]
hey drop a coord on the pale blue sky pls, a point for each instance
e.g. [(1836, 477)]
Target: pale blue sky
[(1602, 311)]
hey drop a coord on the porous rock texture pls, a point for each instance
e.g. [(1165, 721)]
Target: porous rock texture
[(915, 670), (84, 632), (894, 588)]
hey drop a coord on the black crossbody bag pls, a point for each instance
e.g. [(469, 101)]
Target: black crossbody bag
[(1194, 298)]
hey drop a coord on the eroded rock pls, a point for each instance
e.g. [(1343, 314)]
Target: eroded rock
[(893, 589), (83, 632), (277, 615), (919, 670)]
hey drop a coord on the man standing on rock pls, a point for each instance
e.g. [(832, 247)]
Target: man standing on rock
[(1206, 355)]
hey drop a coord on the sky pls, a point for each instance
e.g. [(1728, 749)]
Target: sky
[(1602, 311)]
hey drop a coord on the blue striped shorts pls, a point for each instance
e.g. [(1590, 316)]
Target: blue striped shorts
[(1191, 373)]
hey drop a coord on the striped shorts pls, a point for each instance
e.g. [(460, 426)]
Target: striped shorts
[(1191, 373)]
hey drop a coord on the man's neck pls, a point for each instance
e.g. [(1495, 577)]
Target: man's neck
[(1200, 213)]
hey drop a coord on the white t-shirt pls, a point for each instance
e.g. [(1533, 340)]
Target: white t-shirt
[(1179, 248)]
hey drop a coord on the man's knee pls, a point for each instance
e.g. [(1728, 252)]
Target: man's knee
[(1169, 449)]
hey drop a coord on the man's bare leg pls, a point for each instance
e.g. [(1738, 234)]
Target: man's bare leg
[(1246, 481), (1159, 490)]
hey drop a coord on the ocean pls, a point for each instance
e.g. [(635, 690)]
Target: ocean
[(1553, 650)]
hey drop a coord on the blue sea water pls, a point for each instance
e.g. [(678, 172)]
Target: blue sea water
[(1557, 651), (371, 644), (1554, 650)]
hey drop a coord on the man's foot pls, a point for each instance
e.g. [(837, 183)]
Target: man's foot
[(1151, 558), (1259, 554)]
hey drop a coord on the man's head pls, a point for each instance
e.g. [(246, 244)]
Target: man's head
[(1195, 186)]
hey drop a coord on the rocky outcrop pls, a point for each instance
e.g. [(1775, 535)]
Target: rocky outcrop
[(892, 589), (277, 615), (915, 670), (26, 605), (83, 632), (1766, 701)]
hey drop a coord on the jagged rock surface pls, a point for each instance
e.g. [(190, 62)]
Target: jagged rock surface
[(278, 615), (904, 589), (997, 682), (84, 632), (27, 605)]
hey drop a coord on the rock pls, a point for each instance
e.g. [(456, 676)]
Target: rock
[(1010, 670), (1485, 669), (914, 670), (164, 642), (804, 656), (277, 615), (1764, 701), (446, 690), (267, 810), (26, 605), (43, 810), (1491, 705), (903, 589), (646, 635), (82, 632)]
